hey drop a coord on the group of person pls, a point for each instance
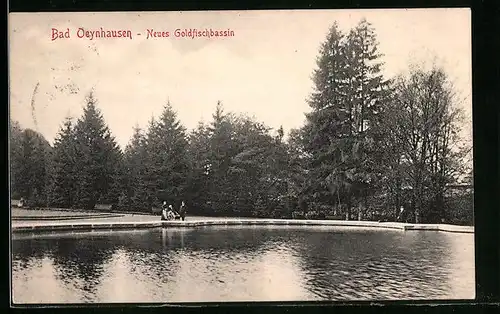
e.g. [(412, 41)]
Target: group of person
[(168, 212)]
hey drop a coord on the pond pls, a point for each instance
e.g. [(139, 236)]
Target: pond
[(252, 263)]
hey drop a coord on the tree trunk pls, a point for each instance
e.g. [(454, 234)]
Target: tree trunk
[(365, 200), (413, 204), (348, 208), (338, 204)]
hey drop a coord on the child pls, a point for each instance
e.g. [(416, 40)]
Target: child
[(167, 214), (170, 213)]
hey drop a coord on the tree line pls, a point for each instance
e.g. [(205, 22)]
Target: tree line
[(369, 146)]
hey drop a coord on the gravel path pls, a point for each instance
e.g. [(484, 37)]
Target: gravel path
[(23, 212)]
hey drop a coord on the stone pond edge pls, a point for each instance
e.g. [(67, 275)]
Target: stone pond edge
[(277, 222)]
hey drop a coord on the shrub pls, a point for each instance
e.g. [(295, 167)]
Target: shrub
[(460, 209), (260, 214), (312, 215), (276, 214), (298, 215)]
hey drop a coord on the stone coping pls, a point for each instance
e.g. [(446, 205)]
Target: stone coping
[(65, 226)]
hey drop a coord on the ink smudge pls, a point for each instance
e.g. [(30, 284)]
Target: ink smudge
[(33, 115)]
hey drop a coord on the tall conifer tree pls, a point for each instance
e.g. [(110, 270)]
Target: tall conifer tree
[(99, 158), (134, 194), (16, 159), (367, 93), (63, 177), (167, 158), (340, 130), (326, 132)]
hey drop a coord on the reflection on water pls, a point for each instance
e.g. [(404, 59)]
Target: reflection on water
[(242, 264)]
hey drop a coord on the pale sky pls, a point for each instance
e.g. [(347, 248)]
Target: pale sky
[(264, 70)]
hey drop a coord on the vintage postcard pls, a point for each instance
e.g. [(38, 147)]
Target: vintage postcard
[(223, 156)]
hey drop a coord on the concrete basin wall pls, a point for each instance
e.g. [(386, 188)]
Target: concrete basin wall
[(66, 226)]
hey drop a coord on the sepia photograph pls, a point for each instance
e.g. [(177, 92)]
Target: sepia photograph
[(241, 156)]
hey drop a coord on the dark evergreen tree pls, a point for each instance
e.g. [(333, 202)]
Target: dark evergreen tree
[(238, 167), (15, 159), (251, 175), (150, 171), (340, 132), (326, 135), (199, 156), (221, 151), (99, 158), (63, 177), (134, 193), (298, 174), (32, 164), (368, 92), (167, 160)]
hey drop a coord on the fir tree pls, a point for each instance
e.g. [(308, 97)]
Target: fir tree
[(340, 130), (99, 158), (221, 147), (63, 177), (33, 167), (327, 130), (368, 92), (199, 156), (134, 181), (16, 159), (166, 148)]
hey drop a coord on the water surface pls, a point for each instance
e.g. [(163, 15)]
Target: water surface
[(235, 263)]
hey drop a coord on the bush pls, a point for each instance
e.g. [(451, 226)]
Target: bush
[(281, 214), (460, 209), (335, 217), (314, 215), (298, 215), (276, 214), (325, 209), (35, 203), (260, 214), (383, 216)]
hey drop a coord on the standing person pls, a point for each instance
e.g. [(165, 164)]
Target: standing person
[(401, 212), (182, 211), (164, 211)]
